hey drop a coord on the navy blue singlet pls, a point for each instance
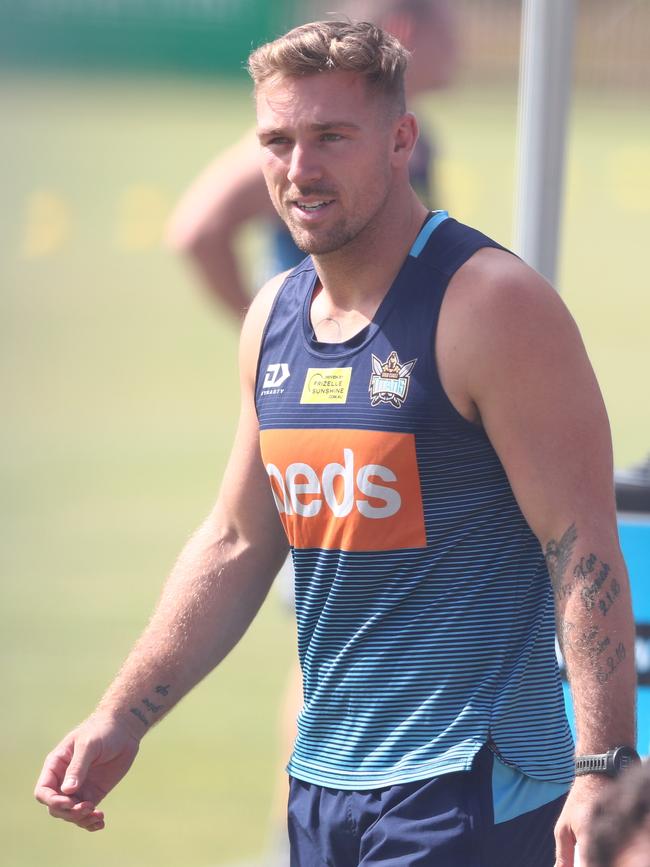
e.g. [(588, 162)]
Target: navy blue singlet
[(425, 612)]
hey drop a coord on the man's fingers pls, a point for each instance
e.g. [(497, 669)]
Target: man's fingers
[(83, 756), (60, 813), (62, 802), (48, 796), (90, 820), (58, 805), (99, 825), (82, 810), (564, 846), (49, 781), (82, 814), (60, 809)]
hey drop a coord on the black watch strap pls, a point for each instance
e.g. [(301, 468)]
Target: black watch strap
[(611, 763), (596, 764)]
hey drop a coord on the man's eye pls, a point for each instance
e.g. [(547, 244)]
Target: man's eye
[(331, 136), (277, 141)]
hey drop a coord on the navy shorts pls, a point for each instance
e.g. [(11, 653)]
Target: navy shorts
[(491, 816)]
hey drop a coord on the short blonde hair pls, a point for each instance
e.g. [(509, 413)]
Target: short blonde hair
[(328, 46)]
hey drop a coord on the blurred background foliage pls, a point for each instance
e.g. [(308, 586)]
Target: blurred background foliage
[(215, 36)]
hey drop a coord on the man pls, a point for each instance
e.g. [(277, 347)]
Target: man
[(418, 409), (230, 192), (619, 831)]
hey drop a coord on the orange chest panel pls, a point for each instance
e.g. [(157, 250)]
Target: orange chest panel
[(346, 489)]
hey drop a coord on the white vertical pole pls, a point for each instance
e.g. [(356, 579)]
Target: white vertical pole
[(545, 80)]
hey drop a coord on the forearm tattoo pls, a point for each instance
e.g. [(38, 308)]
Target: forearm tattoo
[(137, 712), (598, 592), (558, 556), (153, 708)]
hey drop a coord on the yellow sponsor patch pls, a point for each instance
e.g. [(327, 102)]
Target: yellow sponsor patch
[(326, 385)]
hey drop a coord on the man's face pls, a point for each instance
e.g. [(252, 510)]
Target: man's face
[(326, 156)]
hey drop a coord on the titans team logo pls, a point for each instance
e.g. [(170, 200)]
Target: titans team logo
[(390, 379)]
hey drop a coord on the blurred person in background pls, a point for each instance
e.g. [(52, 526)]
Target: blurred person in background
[(620, 824), (231, 191)]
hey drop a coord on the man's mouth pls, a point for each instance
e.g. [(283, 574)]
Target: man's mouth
[(309, 207)]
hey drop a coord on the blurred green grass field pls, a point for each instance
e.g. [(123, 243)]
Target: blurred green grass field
[(120, 393)]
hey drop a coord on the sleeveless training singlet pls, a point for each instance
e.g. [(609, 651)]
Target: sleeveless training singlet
[(425, 612)]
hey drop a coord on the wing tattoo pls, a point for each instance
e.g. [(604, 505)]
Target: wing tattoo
[(558, 555)]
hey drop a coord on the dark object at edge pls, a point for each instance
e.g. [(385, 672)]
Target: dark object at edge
[(633, 488)]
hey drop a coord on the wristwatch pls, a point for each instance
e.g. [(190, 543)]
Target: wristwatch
[(611, 763)]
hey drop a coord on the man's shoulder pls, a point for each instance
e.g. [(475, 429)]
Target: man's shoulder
[(501, 324), (256, 319), (498, 309), (495, 283)]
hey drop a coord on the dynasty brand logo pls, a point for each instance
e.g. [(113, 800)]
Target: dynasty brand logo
[(353, 490), (275, 377), (390, 380)]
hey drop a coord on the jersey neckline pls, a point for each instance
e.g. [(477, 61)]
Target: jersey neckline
[(366, 334)]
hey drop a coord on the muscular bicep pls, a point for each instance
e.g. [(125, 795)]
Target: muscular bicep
[(246, 502), (527, 373)]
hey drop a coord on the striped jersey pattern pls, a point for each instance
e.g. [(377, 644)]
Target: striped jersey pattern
[(425, 612)]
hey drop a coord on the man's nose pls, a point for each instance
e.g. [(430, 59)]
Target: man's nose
[(304, 166)]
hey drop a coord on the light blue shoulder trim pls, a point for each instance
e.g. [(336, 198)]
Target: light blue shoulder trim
[(427, 230), (514, 794)]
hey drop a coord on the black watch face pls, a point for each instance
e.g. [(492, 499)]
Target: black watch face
[(624, 757)]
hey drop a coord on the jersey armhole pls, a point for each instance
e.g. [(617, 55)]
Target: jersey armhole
[(481, 242), (281, 289)]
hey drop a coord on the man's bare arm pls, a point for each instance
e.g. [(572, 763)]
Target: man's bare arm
[(204, 226), (512, 360), (213, 593)]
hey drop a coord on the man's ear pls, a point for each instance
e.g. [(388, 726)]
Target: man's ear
[(405, 135)]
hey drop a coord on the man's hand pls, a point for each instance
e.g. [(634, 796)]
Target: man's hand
[(572, 824), (83, 768)]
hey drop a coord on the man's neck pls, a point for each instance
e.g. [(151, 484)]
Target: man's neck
[(357, 276)]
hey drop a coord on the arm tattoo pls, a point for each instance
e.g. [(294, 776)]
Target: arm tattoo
[(137, 712), (161, 689), (611, 663), (592, 590), (589, 572), (585, 567), (599, 591), (558, 555), (597, 649)]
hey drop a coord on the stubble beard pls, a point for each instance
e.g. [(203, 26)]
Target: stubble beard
[(329, 242), (335, 238)]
